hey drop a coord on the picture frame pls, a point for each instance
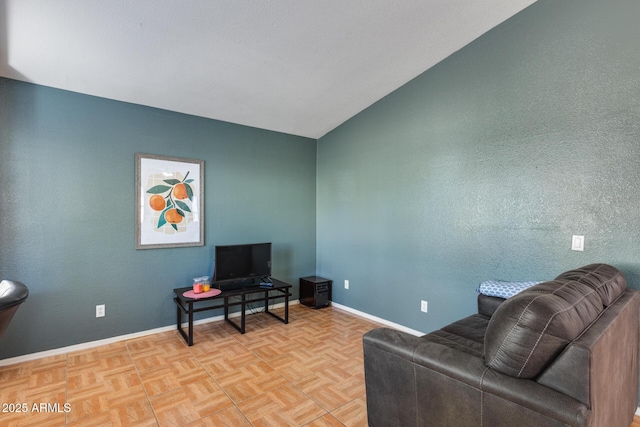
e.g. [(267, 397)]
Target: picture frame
[(169, 201)]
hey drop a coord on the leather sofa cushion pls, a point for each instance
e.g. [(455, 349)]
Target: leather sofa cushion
[(465, 335), (605, 279), (529, 330)]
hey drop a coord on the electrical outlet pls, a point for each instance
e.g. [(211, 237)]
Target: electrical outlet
[(346, 284), (100, 310), (424, 306)]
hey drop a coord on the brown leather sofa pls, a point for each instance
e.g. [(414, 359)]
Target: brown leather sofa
[(561, 353)]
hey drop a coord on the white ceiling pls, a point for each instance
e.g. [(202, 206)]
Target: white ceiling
[(296, 66)]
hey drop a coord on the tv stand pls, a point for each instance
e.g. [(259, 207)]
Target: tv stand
[(246, 295), (236, 284)]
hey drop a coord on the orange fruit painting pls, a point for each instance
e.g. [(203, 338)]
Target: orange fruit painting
[(180, 191), (157, 202), (171, 199), (172, 216)]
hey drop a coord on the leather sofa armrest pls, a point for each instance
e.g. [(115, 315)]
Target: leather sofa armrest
[(422, 381), (528, 395), (488, 305)]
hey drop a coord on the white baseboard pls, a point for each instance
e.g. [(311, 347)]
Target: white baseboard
[(106, 341), (98, 343), (377, 319), (83, 346)]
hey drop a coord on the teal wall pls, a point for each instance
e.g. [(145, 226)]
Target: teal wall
[(67, 210), (485, 165)]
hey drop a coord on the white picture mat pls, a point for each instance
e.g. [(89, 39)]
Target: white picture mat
[(153, 170)]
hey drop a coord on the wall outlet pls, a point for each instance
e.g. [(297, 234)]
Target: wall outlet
[(424, 306), (100, 310), (346, 284)]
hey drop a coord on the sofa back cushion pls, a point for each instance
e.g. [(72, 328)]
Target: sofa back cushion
[(529, 330), (605, 279)]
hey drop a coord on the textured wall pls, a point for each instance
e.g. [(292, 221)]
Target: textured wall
[(67, 215), (484, 166)]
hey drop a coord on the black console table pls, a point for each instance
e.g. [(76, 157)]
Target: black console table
[(246, 295)]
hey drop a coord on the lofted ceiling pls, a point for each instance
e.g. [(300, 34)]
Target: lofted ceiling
[(301, 67)]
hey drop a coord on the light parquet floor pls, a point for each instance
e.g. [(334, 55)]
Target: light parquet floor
[(307, 373)]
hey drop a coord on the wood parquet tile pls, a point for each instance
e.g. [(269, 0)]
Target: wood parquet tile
[(307, 373), (285, 406), (332, 387)]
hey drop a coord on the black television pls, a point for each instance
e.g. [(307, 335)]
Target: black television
[(240, 265)]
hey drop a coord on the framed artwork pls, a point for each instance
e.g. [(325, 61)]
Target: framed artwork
[(169, 202)]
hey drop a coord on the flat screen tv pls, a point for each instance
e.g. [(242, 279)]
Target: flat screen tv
[(240, 263)]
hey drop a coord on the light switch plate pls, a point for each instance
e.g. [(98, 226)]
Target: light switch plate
[(577, 243)]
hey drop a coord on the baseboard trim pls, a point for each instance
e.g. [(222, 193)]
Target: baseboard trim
[(377, 319), (106, 341)]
